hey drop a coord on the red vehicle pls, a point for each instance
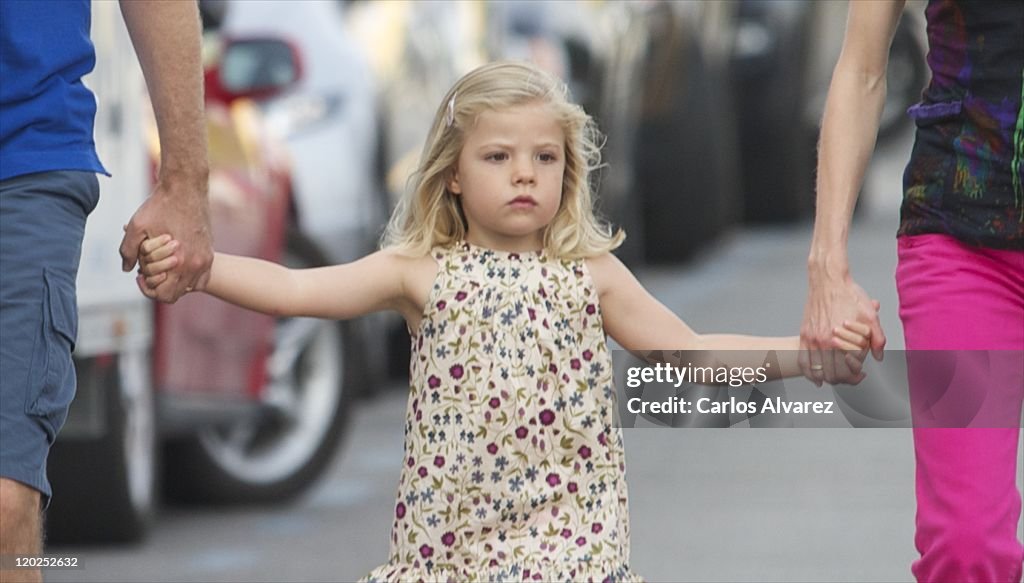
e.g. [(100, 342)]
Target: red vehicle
[(232, 405)]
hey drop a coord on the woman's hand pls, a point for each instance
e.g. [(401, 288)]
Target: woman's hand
[(831, 302)]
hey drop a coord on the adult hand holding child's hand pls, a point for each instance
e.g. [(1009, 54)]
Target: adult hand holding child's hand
[(831, 302), (157, 257), (183, 215)]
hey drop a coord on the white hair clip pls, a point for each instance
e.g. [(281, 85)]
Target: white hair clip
[(450, 116)]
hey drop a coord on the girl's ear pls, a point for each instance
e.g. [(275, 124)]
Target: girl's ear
[(453, 182)]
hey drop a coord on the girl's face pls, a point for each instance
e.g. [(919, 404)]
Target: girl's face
[(509, 177)]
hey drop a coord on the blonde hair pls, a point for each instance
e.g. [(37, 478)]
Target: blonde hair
[(429, 215)]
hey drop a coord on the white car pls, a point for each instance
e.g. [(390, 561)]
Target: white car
[(329, 120)]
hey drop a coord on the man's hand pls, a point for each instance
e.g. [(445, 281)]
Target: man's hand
[(167, 38), (830, 302), (185, 216)]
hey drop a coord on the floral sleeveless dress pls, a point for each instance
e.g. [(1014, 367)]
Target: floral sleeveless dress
[(513, 470)]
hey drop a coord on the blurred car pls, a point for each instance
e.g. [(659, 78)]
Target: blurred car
[(250, 408), (641, 69), (272, 395), (666, 107), (784, 54), (330, 123)]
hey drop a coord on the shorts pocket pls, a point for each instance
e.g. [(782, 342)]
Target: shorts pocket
[(52, 382)]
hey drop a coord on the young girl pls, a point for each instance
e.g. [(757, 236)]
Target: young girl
[(512, 467)]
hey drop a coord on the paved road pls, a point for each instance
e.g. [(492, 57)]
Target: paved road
[(705, 504)]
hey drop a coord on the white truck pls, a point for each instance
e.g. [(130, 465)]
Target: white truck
[(102, 467), (235, 406)]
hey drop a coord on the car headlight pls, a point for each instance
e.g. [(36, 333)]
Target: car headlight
[(295, 114)]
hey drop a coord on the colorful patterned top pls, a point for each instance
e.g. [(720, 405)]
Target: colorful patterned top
[(512, 467), (966, 173)]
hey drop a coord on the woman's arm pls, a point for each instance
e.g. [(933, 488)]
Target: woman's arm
[(849, 128)]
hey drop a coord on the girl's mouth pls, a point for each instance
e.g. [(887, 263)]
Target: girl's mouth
[(523, 201)]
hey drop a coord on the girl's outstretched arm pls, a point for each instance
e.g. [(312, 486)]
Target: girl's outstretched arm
[(375, 282), (640, 323)]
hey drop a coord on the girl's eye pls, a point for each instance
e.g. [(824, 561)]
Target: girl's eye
[(497, 156), (547, 157)]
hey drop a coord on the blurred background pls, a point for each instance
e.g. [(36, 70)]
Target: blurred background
[(207, 443)]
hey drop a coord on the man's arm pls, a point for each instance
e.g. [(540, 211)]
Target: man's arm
[(167, 39), (849, 128)]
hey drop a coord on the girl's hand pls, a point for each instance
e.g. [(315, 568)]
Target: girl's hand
[(851, 336), (854, 339), (156, 259)]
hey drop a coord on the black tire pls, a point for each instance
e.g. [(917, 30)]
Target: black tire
[(683, 166), (211, 468), (617, 114), (777, 157), (105, 486)]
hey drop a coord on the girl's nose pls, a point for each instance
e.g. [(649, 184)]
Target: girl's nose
[(523, 173)]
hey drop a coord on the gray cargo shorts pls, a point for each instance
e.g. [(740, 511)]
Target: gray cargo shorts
[(42, 222)]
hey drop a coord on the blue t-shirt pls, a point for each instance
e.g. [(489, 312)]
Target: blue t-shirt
[(46, 113)]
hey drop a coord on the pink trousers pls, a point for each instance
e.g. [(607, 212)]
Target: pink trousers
[(956, 297)]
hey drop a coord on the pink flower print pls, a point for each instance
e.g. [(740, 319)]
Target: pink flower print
[(575, 364), (422, 472), (521, 432), (596, 528), (439, 461), (426, 551), (566, 533), (553, 368), (456, 371), (400, 510), (448, 539), (587, 355), (581, 541), (602, 439), (554, 480), (492, 448), (460, 296), (410, 463), (441, 305), (433, 382), (532, 313), (547, 417), (584, 451), (572, 487), (591, 309), (494, 402)]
